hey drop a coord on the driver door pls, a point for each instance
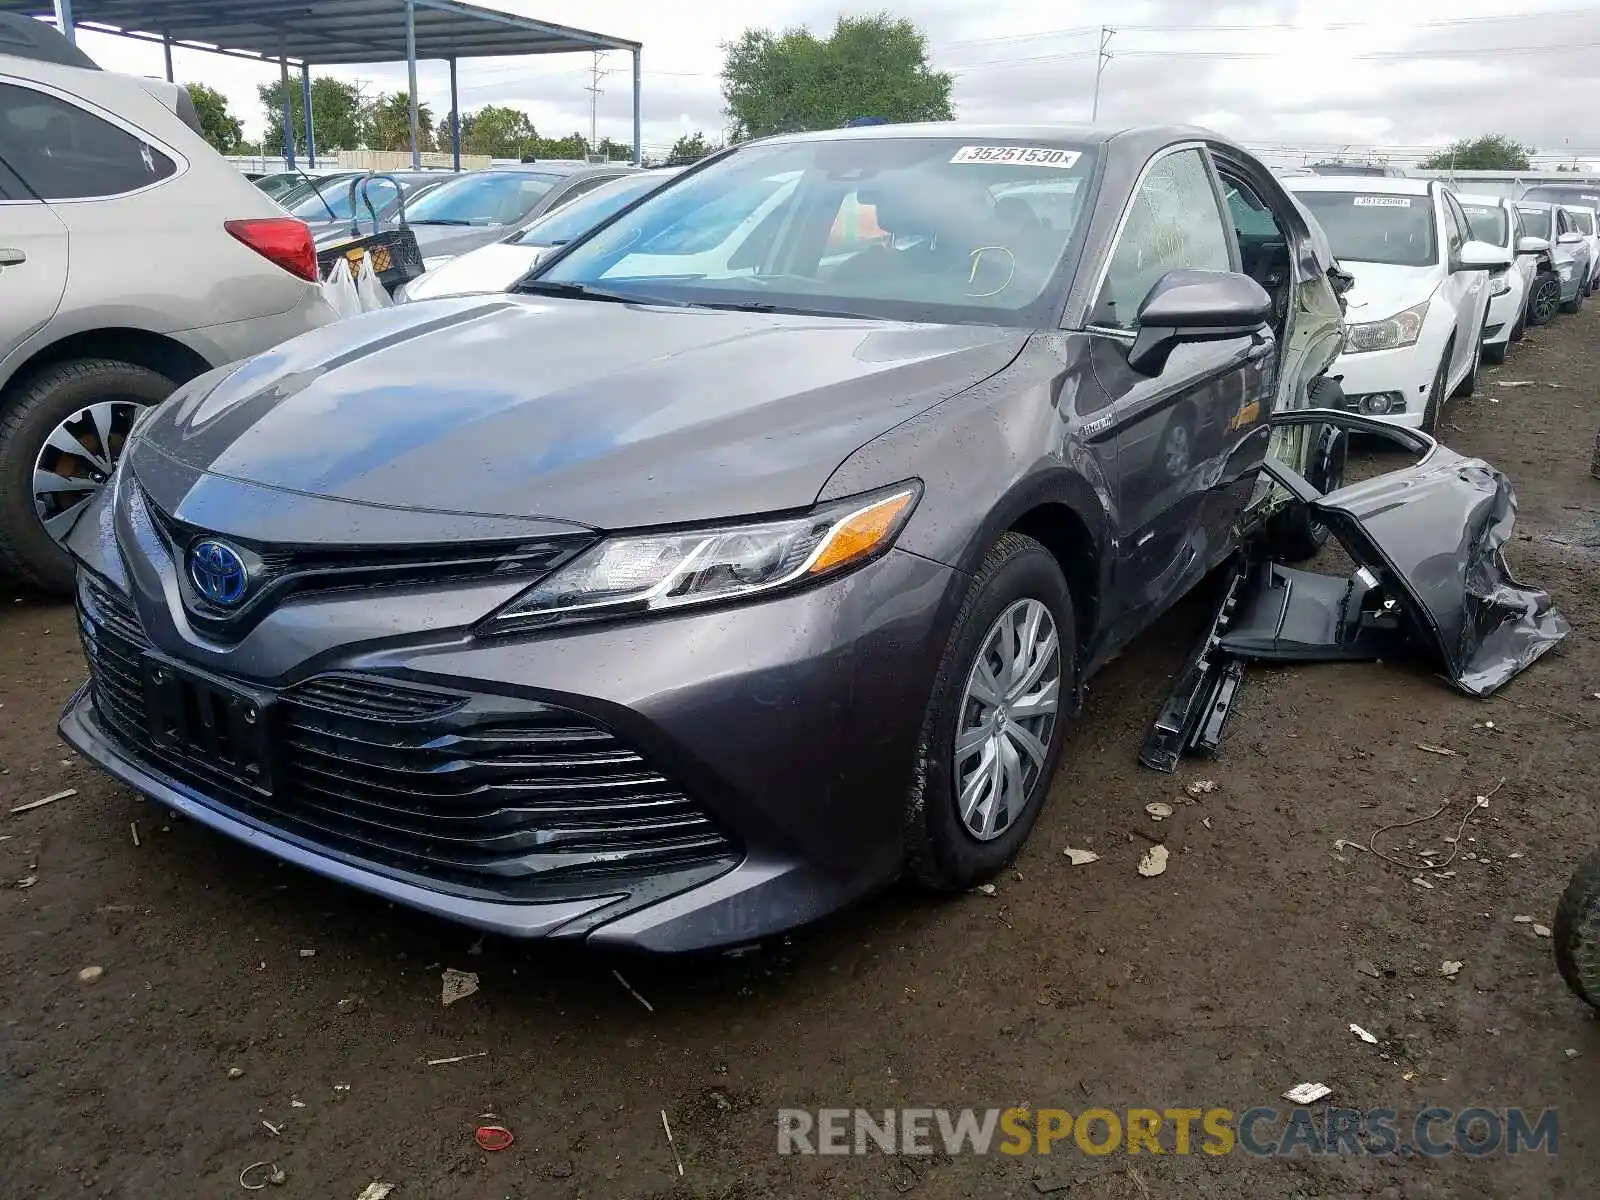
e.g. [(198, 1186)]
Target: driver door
[(1178, 433), (1469, 288)]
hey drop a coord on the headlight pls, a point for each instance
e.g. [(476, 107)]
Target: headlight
[(433, 264), (1565, 269), (1402, 329), (646, 573), (1499, 285)]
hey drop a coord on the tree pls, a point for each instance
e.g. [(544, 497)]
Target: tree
[(495, 130), (691, 147), (220, 127), (571, 146), (335, 109), (388, 123), (872, 66), (1491, 152)]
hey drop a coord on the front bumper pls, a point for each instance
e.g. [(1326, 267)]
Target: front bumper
[(786, 727), (1403, 375), (1503, 312)]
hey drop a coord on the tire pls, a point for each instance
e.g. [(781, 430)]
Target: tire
[(1436, 393), (941, 852), (1542, 305), (1496, 354), (1469, 385), (1295, 534), (1518, 328), (1575, 304), (29, 415), (1577, 931)]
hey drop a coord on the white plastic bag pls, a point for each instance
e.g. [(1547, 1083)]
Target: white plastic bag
[(372, 293), (339, 289)]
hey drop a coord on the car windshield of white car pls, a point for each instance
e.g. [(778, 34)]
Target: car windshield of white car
[(1488, 222), (482, 198), (1376, 228), (914, 228), (579, 216), (1535, 221)]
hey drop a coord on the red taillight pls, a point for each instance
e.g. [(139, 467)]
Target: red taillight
[(282, 240)]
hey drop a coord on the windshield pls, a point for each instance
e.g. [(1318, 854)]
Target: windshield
[(482, 198), (1586, 194), (903, 229), (1536, 221), (1376, 228), (380, 193), (1582, 220), (583, 214), (1488, 221)]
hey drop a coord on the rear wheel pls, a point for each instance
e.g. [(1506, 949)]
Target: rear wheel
[(994, 726), (61, 435)]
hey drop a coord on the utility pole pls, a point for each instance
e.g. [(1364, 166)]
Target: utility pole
[(1106, 33), (594, 89)]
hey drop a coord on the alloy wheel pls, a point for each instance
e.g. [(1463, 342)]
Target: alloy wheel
[(1008, 714), (1546, 300), (76, 460)]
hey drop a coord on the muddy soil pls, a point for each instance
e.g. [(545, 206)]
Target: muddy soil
[(238, 994)]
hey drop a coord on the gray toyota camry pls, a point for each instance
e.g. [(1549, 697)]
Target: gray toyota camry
[(753, 553)]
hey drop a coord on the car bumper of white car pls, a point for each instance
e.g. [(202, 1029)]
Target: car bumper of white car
[(1503, 311), (1389, 385)]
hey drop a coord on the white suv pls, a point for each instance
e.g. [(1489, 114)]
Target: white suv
[(1418, 310), (133, 257)]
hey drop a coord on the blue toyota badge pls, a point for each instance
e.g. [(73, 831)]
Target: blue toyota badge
[(218, 572)]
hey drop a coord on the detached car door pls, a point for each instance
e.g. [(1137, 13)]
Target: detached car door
[(33, 240), (1176, 432)]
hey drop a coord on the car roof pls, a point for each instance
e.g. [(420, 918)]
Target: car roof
[(1373, 185), (1579, 207)]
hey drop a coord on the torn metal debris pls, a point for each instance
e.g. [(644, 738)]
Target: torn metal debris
[(1428, 541)]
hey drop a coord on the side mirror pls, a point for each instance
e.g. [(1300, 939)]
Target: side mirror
[(1533, 245), (1195, 306), (1570, 238), (1481, 256)]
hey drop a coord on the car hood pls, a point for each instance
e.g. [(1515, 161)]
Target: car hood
[(491, 268), (441, 241), (603, 414), (1381, 290)]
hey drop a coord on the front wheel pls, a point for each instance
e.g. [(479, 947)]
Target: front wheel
[(993, 731), (1545, 301), (1575, 304), (1577, 931), (1436, 393), (1496, 354)]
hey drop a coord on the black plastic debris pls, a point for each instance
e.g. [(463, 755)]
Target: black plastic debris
[(1429, 542)]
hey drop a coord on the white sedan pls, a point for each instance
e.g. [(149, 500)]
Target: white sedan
[(1417, 312), (1494, 219)]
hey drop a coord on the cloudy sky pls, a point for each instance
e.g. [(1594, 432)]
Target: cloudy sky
[(1388, 76)]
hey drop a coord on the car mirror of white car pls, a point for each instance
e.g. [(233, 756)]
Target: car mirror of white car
[(1532, 245), (1481, 256), (1571, 238)]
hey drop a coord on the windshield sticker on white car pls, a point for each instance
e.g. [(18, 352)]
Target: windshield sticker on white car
[(1025, 156), (1382, 201), (1474, 210)]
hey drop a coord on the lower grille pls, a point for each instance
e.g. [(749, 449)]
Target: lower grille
[(491, 794)]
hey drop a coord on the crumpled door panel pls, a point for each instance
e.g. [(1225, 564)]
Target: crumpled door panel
[(1433, 534)]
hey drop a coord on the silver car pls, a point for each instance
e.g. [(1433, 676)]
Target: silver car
[(1568, 247), (133, 257)]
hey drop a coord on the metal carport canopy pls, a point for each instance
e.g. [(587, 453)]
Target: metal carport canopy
[(326, 32)]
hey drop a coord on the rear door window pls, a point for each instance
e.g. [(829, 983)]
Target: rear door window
[(63, 152)]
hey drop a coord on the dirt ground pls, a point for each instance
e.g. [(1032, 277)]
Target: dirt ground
[(1231, 977)]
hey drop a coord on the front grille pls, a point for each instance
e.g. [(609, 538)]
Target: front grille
[(481, 792)]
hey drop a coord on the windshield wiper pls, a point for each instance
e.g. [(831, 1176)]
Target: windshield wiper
[(585, 291), (757, 306)]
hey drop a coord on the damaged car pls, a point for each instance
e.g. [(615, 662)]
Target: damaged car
[(674, 609)]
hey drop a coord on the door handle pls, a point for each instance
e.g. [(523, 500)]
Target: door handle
[(12, 258)]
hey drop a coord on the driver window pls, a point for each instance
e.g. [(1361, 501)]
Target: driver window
[(1173, 222)]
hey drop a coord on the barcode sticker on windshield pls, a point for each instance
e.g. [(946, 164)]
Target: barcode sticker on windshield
[(1382, 201), (1473, 210), (1026, 156)]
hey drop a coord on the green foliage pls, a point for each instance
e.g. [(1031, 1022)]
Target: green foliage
[(221, 128), (495, 130), (1491, 152), (336, 109), (388, 123), (873, 66), (691, 147)]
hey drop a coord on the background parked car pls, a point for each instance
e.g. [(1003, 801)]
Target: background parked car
[(1417, 311), (1568, 248), (475, 209), (332, 204), (495, 267), (1495, 220), (280, 184), (1585, 221), (132, 257)]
